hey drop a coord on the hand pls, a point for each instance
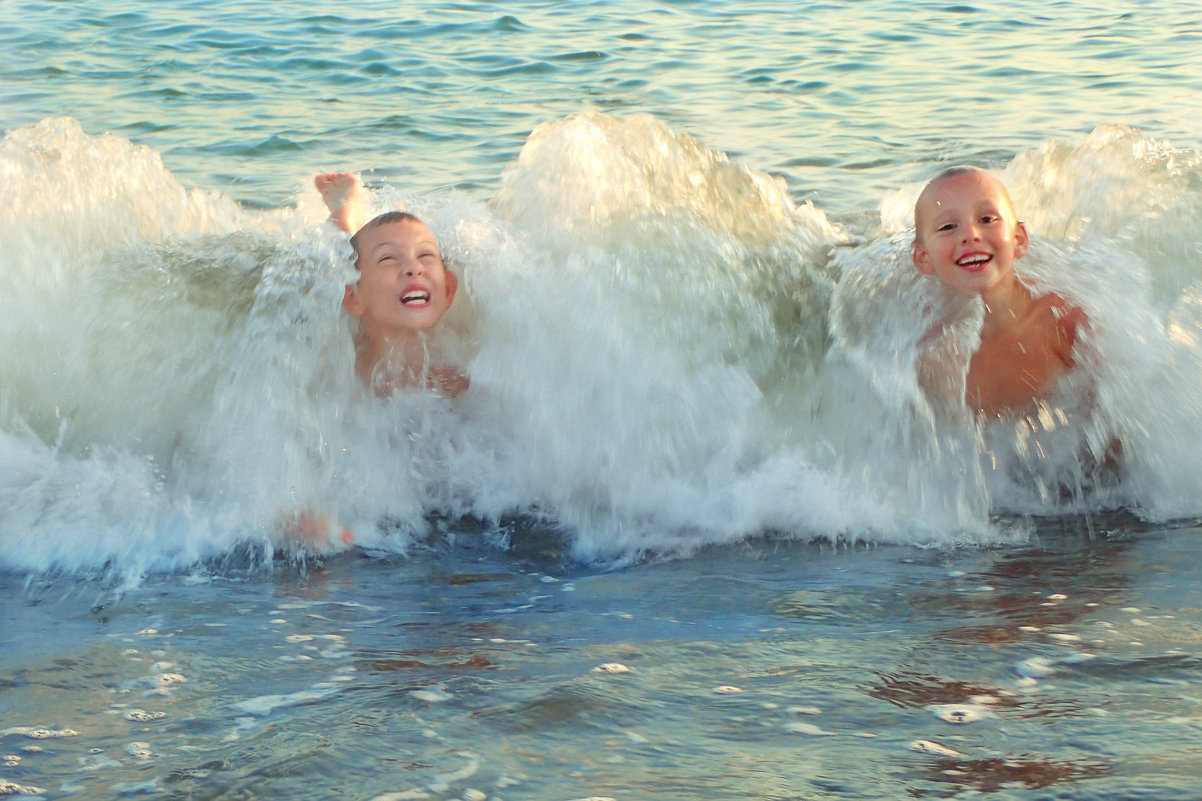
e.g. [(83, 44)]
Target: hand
[(345, 197)]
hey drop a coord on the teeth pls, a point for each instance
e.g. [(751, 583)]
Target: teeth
[(415, 297)]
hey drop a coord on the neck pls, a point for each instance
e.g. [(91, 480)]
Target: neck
[(390, 360), (1004, 304)]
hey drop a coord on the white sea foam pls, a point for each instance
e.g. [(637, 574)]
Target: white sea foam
[(665, 352), (36, 733), (142, 716), (12, 788), (432, 696), (266, 704), (932, 747)]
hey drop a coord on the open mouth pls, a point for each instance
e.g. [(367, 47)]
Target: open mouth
[(415, 297), (975, 262)]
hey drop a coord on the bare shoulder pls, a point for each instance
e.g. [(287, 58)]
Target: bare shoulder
[(1066, 319)]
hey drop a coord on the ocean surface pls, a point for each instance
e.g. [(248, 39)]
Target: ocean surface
[(694, 531)]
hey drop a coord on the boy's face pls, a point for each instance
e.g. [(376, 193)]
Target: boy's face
[(965, 233), (403, 285)]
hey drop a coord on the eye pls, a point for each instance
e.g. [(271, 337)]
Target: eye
[(947, 226), (989, 219)]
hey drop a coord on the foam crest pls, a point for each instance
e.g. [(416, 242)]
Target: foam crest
[(664, 353), (914, 458), (662, 292), (69, 194), (1123, 209)]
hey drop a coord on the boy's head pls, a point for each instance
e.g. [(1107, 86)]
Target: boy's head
[(403, 284), (965, 230)]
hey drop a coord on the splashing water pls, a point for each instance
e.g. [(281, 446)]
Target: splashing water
[(665, 352)]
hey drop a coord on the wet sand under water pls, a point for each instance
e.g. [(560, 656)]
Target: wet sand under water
[(1066, 667)]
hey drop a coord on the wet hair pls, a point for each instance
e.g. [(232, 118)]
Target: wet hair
[(375, 222)]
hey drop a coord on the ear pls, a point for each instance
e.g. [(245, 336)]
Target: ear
[(1021, 240), (921, 259), (452, 282), (351, 302)]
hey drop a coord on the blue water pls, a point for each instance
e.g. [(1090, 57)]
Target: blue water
[(693, 532), (845, 100)]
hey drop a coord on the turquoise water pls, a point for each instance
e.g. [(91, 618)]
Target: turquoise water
[(845, 100), (693, 532)]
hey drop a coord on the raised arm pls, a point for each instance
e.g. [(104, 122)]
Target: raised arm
[(345, 197)]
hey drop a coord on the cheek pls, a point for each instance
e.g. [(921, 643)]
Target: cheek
[(381, 280)]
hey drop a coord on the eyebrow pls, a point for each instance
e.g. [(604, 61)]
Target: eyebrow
[(392, 243), (996, 208), (387, 243)]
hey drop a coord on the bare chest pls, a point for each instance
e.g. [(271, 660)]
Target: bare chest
[(1015, 368)]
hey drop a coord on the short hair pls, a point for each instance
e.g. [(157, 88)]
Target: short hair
[(951, 172), (375, 222), (958, 169)]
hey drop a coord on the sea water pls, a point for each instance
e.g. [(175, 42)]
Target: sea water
[(695, 530)]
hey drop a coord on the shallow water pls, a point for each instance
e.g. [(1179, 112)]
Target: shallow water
[(694, 532), (1061, 669)]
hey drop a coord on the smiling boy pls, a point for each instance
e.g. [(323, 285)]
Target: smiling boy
[(966, 235), (404, 289)]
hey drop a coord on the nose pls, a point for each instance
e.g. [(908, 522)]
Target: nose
[(414, 267), (972, 231)]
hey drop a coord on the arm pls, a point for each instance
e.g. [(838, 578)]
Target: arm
[(345, 197), (941, 370), (1070, 321)]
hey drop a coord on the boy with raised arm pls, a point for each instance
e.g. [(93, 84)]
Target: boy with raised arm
[(403, 290)]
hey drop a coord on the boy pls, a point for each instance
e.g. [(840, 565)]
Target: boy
[(967, 236), (404, 289)]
